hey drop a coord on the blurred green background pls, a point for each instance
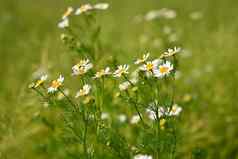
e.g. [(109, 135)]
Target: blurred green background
[(30, 43)]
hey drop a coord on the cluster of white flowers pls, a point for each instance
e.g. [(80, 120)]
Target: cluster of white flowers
[(175, 110), (171, 52), (64, 23), (82, 67), (157, 67)]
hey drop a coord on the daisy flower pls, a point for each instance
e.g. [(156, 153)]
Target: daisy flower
[(151, 114), (39, 82), (64, 23), (140, 156), (170, 52), (68, 12), (163, 69), (143, 59), (82, 67), (150, 65), (175, 110), (56, 84), (84, 91), (83, 8), (102, 73), (121, 70)]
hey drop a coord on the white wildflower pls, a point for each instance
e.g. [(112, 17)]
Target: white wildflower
[(84, 91), (121, 70), (151, 114), (171, 52), (64, 23), (163, 69), (150, 65), (102, 73), (175, 110), (82, 67), (56, 84), (143, 59)]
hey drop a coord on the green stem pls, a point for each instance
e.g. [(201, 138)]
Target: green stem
[(69, 100)]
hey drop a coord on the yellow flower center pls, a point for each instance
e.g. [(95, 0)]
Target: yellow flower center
[(55, 84), (149, 66), (39, 82), (67, 13), (163, 69)]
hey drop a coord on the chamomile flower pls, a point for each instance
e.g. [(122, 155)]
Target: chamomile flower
[(40, 81), (150, 65), (170, 52), (124, 86), (162, 112), (175, 110), (55, 84), (163, 70), (135, 119), (143, 59), (121, 70), (140, 156), (83, 8), (64, 23), (68, 12), (84, 91), (101, 6), (151, 114), (82, 67), (102, 73)]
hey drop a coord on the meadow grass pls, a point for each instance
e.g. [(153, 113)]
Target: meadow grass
[(206, 87)]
